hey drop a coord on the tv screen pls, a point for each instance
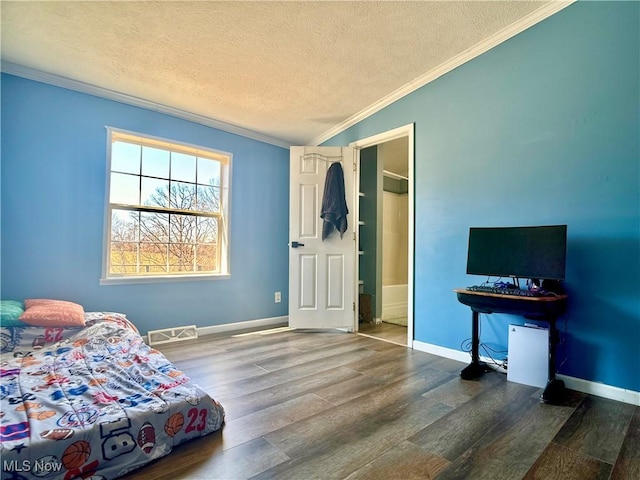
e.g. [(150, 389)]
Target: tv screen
[(523, 252)]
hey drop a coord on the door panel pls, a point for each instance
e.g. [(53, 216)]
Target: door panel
[(321, 273), (335, 282), (308, 289)]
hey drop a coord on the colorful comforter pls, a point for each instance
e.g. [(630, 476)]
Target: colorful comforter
[(92, 402)]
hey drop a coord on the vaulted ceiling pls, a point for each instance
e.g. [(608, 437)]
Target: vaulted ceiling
[(283, 72)]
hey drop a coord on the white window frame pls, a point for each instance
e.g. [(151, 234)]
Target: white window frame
[(224, 158)]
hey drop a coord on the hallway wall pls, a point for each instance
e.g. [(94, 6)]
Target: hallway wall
[(394, 238)]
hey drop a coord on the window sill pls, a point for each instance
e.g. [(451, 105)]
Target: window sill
[(162, 279)]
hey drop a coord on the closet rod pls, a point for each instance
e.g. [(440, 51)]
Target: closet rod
[(387, 173)]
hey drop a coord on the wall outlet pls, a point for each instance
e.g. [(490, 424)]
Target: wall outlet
[(278, 297)]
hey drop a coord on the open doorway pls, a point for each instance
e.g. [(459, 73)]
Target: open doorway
[(385, 236)]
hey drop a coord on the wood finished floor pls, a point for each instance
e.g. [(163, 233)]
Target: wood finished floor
[(385, 331), (333, 405)]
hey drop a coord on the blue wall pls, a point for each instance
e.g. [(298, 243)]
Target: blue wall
[(543, 129), (53, 194)]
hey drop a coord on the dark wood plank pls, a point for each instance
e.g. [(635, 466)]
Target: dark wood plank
[(562, 462), (348, 419), (305, 356), (271, 419), (452, 435), (204, 459), (338, 441), (403, 462), (269, 379), (457, 392), (518, 437), (597, 428), (628, 462), (269, 397), (404, 361), (393, 368)]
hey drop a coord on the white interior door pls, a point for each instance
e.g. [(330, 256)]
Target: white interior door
[(321, 273)]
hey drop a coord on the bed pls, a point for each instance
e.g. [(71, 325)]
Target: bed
[(93, 401)]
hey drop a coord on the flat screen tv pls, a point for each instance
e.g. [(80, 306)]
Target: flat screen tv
[(522, 252)]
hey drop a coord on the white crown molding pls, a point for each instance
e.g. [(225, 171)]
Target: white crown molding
[(579, 385), (69, 84), (503, 35)]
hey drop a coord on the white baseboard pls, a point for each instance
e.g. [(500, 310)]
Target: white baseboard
[(601, 390), (585, 386), (458, 355), (232, 327)]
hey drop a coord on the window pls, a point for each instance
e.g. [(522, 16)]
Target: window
[(167, 211)]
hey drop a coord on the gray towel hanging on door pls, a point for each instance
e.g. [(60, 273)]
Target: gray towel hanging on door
[(334, 204)]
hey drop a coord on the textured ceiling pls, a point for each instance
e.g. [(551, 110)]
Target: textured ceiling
[(291, 71)]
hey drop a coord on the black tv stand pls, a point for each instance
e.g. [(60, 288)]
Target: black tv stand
[(546, 309)]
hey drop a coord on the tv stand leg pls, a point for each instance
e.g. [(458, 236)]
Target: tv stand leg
[(476, 368), (554, 392), (473, 370)]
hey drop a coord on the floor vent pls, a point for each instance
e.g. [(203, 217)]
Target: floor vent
[(174, 334)]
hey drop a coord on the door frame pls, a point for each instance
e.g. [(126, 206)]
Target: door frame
[(400, 132)]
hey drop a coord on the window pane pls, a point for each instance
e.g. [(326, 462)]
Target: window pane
[(153, 257), (154, 192), (208, 172), (181, 257), (182, 229), (167, 178), (124, 226), (206, 258), (183, 196), (208, 199), (155, 162), (125, 157), (123, 257), (207, 231), (124, 189), (183, 167), (154, 227)]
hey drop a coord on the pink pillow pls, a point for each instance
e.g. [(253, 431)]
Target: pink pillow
[(52, 313)]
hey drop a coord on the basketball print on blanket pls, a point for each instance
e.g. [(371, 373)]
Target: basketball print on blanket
[(174, 424), (76, 454)]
